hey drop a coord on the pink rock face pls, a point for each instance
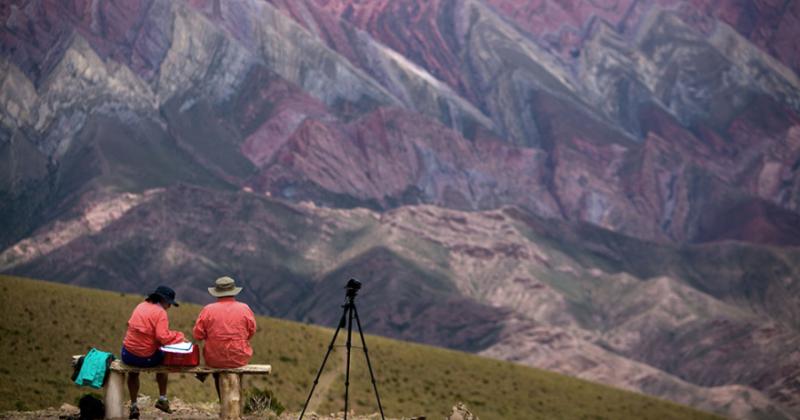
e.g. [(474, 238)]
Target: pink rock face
[(562, 26), (288, 106), (583, 178), (391, 156), (406, 26), (755, 222), (35, 30), (321, 22), (32, 29), (579, 167), (767, 148), (771, 25)]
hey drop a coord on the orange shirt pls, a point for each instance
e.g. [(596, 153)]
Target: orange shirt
[(148, 329), (227, 326)]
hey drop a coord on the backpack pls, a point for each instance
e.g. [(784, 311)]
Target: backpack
[(91, 408)]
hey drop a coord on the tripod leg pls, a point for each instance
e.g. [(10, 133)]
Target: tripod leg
[(349, 344), (328, 353), (369, 365)]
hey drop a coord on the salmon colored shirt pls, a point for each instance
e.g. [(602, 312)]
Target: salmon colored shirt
[(227, 327), (148, 329)]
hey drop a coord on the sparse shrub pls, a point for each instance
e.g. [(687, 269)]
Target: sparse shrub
[(261, 400), (287, 359)]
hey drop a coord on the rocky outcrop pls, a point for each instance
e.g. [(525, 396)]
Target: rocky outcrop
[(637, 64), (404, 82), (579, 169), (465, 45), (391, 157), (563, 27), (461, 412)]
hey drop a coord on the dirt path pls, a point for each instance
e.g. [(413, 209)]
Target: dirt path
[(326, 380)]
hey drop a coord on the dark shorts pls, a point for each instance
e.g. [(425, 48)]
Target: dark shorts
[(131, 359)]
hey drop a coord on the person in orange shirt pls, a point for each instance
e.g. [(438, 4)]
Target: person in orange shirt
[(148, 330), (227, 327)]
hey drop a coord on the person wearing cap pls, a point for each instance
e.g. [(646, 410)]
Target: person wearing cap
[(226, 326), (148, 330)]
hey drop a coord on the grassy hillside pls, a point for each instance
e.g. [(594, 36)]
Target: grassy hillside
[(42, 324)]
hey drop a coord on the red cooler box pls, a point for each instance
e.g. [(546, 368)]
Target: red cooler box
[(180, 356)]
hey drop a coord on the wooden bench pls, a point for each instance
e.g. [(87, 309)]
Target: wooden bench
[(230, 385)]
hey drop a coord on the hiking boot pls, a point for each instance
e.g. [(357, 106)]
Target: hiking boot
[(163, 405), (134, 412)]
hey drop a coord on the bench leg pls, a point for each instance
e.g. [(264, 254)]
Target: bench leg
[(230, 395), (115, 391), (241, 393)]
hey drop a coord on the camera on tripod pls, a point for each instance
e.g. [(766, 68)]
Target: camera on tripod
[(352, 287), (346, 321)]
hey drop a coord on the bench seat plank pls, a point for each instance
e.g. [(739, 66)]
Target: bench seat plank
[(118, 366)]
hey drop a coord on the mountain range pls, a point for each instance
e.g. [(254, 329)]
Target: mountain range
[(608, 189)]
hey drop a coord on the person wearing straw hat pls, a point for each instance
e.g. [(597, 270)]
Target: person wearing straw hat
[(226, 326)]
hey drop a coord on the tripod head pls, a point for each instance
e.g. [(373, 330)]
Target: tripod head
[(352, 287)]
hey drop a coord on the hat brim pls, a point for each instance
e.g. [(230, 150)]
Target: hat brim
[(217, 293), (164, 298)]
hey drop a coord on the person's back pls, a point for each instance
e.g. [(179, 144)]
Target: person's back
[(148, 329), (226, 326)]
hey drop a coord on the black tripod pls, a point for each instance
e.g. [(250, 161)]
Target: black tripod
[(349, 312)]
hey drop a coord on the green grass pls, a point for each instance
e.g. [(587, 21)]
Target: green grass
[(43, 324)]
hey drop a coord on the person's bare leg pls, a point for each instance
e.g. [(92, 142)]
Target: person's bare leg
[(216, 384), (133, 385), (162, 403), (161, 378)]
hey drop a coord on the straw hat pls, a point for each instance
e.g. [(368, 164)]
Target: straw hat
[(224, 286)]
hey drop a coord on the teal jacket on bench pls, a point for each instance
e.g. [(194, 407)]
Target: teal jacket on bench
[(94, 368)]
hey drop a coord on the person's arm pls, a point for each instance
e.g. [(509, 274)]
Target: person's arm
[(199, 331), (163, 334), (251, 323)]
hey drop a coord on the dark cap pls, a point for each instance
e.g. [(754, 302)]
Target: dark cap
[(166, 294)]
